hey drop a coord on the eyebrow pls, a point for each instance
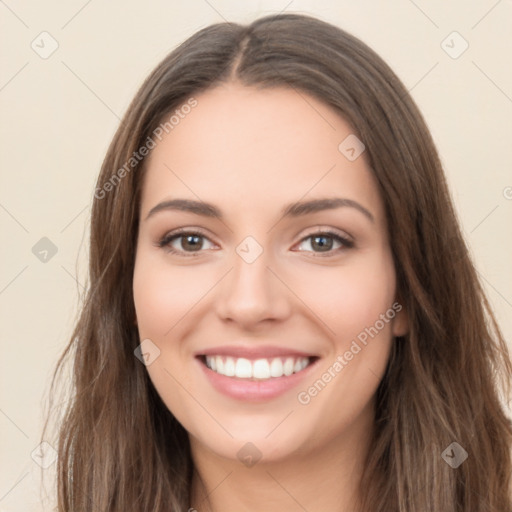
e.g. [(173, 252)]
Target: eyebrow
[(292, 210)]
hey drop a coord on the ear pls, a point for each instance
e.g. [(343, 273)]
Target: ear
[(400, 325)]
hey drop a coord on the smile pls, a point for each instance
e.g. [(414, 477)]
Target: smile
[(253, 372), (259, 369)]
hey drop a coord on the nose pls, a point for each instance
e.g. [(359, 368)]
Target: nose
[(253, 293)]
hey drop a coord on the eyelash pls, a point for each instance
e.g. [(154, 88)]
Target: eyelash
[(165, 242)]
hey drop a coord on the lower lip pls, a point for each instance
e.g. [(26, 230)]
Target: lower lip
[(254, 390)]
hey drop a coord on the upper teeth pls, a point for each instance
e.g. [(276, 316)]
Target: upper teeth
[(258, 369)]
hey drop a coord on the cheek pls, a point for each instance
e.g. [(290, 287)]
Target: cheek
[(353, 302), (352, 297), (163, 294), (166, 298)]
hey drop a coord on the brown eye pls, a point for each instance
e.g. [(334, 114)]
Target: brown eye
[(191, 242), (184, 242), (324, 242)]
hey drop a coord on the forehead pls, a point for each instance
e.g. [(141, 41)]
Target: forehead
[(243, 147)]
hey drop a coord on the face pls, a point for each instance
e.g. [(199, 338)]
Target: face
[(267, 320)]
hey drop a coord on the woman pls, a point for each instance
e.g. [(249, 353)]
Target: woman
[(282, 312)]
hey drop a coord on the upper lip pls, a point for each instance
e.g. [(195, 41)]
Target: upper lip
[(253, 352)]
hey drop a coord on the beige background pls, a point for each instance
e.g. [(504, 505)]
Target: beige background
[(59, 113)]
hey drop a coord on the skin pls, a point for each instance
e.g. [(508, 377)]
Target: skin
[(251, 152)]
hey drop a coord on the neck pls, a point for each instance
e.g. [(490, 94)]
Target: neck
[(317, 479)]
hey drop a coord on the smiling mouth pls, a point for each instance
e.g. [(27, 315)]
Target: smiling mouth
[(258, 369)]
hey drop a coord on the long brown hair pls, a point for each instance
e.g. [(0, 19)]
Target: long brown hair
[(121, 449)]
